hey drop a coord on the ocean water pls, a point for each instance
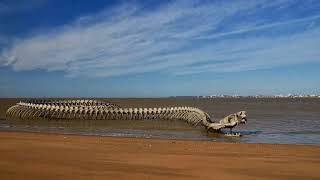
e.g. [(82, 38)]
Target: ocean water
[(280, 121)]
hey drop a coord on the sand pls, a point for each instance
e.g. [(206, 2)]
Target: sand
[(58, 156)]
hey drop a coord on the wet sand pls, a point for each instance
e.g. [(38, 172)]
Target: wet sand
[(58, 156)]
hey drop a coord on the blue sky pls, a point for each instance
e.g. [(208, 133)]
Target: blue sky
[(158, 48)]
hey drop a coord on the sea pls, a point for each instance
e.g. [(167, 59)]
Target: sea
[(270, 120)]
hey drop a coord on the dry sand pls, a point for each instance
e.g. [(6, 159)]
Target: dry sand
[(52, 156)]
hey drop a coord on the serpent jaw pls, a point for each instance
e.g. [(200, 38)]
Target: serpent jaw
[(243, 120)]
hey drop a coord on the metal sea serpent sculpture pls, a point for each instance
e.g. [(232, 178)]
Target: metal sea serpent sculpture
[(100, 110)]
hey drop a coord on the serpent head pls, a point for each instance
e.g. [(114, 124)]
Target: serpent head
[(235, 119), (229, 121)]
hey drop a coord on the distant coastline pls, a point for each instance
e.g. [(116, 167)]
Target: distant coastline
[(253, 96)]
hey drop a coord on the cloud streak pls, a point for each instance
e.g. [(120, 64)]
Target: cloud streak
[(179, 38)]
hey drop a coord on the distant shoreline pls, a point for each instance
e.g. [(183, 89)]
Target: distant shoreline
[(171, 97), (257, 96)]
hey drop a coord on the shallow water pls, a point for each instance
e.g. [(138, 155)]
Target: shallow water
[(285, 121)]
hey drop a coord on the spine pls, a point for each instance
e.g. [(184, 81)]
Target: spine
[(91, 109)]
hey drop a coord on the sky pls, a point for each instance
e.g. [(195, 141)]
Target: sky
[(58, 48)]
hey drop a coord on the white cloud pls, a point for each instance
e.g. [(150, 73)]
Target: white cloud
[(180, 38), (260, 53)]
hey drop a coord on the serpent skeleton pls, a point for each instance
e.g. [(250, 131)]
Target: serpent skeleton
[(99, 110)]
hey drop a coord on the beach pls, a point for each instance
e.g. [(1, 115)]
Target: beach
[(60, 156)]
